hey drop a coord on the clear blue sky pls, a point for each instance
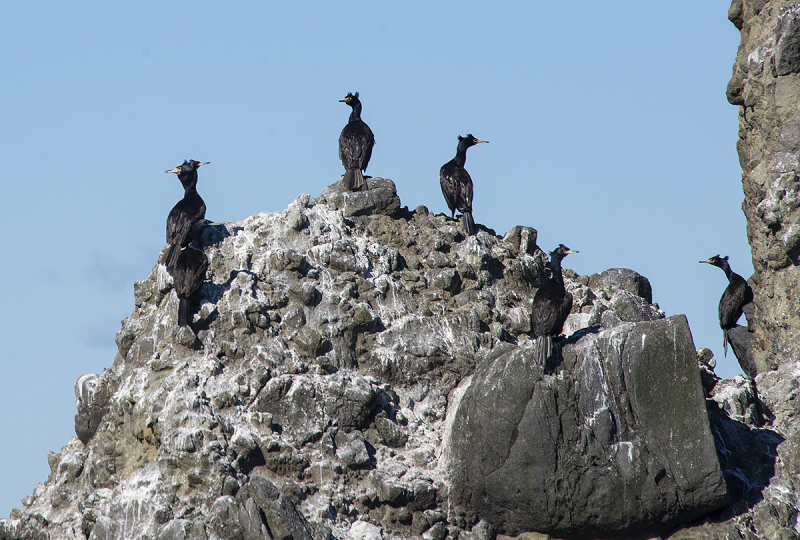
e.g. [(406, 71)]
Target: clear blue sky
[(608, 125)]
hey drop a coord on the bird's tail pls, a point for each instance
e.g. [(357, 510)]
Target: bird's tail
[(184, 311), (171, 256), (469, 223), (544, 350), (354, 180), (725, 342)]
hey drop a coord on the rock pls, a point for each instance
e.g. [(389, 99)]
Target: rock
[(741, 341), (522, 239), (331, 340), (91, 400), (379, 198), (391, 434), (764, 86), (561, 454), (616, 279), (351, 449), (363, 530)]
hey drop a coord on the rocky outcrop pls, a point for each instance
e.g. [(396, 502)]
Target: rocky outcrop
[(310, 397), (766, 87), (598, 449)]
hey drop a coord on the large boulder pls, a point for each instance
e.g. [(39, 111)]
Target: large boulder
[(617, 441)]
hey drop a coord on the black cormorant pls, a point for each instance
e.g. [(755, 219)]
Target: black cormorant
[(457, 184), (189, 274), (551, 305), (355, 145), (737, 295), (183, 215)]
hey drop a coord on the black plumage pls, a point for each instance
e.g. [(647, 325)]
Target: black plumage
[(189, 274), (457, 184), (737, 295), (551, 305), (355, 145), (183, 215)]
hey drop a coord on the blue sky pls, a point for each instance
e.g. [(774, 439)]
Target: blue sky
[(608, 126)]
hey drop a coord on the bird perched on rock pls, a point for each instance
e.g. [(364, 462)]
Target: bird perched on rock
[(457, 184), (355, 145), (737, 295), (190, 272), (186, 213), (551, 305)]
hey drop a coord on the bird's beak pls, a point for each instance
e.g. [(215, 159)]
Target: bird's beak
[(569, 250), (204, 163), (176, 170), (476, 142), (709, 261)]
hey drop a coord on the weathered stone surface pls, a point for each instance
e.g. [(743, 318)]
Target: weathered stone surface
[(764, 85), (313, 395), (379, 198), (91, 400), (622, 279), (597, 449)]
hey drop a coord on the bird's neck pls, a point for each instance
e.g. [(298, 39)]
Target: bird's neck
[(727, 269), (461, 156), (189, 183), (355, 114), (555, 266)]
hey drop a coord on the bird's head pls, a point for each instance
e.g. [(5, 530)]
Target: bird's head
[(717, 261), (560, 252), (469, 140), (351, 99), (187, 167)]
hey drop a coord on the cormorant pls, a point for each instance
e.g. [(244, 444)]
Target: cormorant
[(355, 145), (183, 215), (190, 272), (737, 295), (551, 305), (457, 184)]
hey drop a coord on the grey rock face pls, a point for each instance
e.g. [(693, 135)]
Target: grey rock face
[(764, 84), (91, 400), (331, 339), (598, 449)]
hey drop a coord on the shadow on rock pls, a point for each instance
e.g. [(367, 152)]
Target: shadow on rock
[(747, 457)]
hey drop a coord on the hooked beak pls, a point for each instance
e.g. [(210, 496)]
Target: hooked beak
[(708, 262), (203, 163), (476, 142), (176, 170), (569, 250)]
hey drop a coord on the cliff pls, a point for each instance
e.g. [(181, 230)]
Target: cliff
[(766, 86), (360, 370)]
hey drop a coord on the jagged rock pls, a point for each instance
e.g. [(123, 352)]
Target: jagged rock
[(764, 85), (380, 198), (351, 449), (91, 400), (597, 449), (622, 279), (314, 391)]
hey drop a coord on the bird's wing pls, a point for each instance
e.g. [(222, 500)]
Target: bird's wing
[(563, 312), (731, 303), (355, 145), (544, 312), (449, 185), (181, 219), (464, 190)]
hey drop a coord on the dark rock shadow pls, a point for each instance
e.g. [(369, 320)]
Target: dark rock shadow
[(746, 456)]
